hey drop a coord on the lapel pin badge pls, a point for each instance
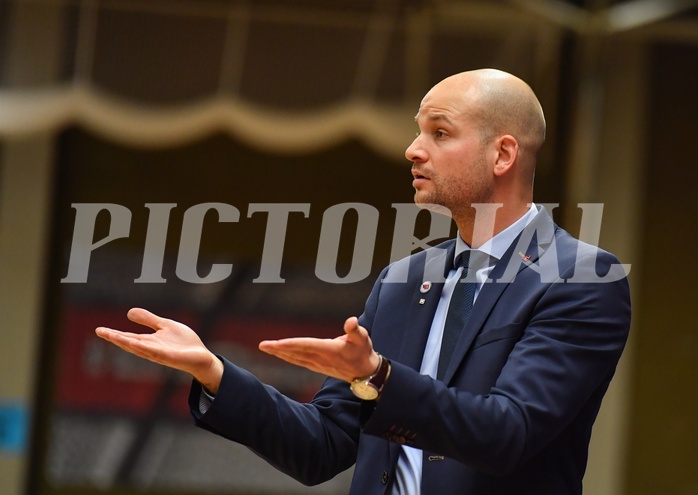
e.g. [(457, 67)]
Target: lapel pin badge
[(425, 287), (525, 257)]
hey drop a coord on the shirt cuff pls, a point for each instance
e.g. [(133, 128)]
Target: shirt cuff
[(205, 401)]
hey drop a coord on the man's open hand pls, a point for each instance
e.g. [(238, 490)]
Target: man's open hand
[(171, 344), (346, 357)]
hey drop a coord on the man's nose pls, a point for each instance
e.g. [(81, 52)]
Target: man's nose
[(415, 151)]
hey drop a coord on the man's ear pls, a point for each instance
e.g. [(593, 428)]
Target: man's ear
[(507, 148)]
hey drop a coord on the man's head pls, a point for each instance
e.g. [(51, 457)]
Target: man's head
[(479, 136)]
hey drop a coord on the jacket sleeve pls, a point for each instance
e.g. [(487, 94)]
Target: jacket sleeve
[(311, 442)]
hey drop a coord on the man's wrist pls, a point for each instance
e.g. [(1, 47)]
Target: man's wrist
[(370, 387), (211, 380)]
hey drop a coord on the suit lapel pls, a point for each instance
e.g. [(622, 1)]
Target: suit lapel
[(424, 295), (537, 237)]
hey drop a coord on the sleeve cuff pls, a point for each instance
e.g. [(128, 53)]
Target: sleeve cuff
[(205, 401)]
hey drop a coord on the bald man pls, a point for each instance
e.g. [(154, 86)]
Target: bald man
[(478, 366)]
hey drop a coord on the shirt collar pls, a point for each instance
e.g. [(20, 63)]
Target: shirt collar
[(498, 245)]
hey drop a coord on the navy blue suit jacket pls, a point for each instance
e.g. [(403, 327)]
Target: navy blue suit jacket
[(514, 413)]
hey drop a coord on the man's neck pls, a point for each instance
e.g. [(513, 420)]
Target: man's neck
[(484, 221)]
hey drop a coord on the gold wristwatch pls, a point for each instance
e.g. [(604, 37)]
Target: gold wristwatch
[(370, 388)]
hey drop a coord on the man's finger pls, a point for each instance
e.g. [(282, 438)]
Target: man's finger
[(139, 344), (103, 332), (351, 325), (300, 346), (323, 363), (120, 339), (110, 334), (356, 334), (145, 317)]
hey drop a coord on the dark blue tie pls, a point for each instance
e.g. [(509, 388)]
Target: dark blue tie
[(458, 309)]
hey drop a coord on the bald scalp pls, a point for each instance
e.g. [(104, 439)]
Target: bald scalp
[(503, 104)]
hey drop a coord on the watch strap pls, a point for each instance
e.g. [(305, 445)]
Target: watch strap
[(381, 375)]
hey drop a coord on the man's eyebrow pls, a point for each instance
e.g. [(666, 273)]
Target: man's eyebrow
[(434, 117)]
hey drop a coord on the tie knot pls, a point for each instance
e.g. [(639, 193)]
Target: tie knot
[(472, 258), (462, 260), (471, 261)]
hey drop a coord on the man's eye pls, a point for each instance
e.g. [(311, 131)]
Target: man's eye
[(439, 134)]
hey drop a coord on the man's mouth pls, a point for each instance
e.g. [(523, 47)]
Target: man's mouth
[(418, 175), (420, 180)]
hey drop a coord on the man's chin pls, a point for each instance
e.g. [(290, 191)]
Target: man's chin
[(436, 208)]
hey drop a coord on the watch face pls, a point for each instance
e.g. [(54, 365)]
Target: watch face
[(364, 390)]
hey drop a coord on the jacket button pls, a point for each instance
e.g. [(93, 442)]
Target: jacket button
[(384, 477)]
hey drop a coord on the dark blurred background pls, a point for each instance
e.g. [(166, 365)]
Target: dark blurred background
[(160, 106)]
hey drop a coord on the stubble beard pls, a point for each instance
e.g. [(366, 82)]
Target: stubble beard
[(455, 198)]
